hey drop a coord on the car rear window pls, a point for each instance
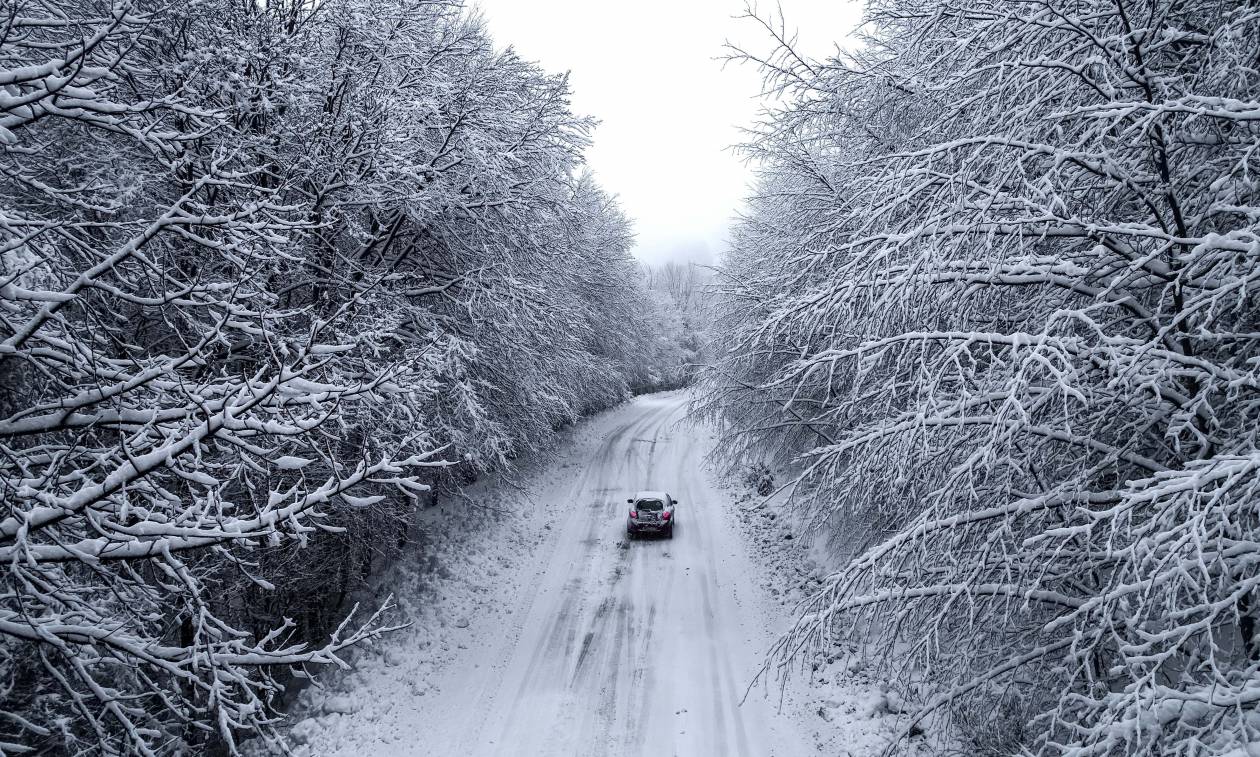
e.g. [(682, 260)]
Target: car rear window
[(651, 505)]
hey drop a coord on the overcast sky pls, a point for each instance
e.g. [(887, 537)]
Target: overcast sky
[(649, 70)]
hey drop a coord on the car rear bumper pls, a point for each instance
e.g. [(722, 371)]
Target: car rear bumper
[(649, 526)]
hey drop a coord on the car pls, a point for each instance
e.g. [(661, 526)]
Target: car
[(651, 512)]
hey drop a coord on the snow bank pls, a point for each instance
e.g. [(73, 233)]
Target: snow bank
[(849, 711), (469, 555)]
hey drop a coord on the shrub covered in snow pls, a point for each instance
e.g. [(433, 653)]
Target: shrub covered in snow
[(759, 478)]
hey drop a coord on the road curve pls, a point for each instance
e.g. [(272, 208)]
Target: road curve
[(622, 647)]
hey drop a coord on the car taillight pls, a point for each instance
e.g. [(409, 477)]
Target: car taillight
[(634, 513), (665, 515)]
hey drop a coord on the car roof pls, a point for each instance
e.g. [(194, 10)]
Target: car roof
[(654, 495)]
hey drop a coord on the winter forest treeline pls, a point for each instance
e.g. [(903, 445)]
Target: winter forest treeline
[(996, 304), (273, 274)]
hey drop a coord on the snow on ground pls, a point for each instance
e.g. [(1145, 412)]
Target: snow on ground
[(472, 556), (845, 706), (469, 552), (539, 629)]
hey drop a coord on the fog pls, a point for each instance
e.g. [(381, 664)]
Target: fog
[(670, 107)]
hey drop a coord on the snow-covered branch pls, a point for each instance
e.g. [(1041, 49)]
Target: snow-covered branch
[(995, 304)]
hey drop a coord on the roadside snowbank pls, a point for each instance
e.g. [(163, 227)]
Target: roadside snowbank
[(469, 555), (848, 710)]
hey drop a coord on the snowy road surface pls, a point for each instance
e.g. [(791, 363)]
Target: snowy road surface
[(626, 647), (610, 647)]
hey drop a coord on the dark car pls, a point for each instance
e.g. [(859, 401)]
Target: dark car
[(651, 512)]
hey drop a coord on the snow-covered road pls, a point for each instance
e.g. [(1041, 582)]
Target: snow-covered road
[(595, 645), (623, 648)]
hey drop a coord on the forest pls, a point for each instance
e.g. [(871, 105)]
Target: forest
[(273, 276), (996, 305), (276, 275)]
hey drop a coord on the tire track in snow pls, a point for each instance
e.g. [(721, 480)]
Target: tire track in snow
[(548, 664), (627, 649), (723, 676), (486, 702)]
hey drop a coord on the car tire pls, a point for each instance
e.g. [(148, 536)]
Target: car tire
[(670, 533)]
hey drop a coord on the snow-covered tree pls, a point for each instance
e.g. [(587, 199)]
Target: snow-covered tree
[(676, 314), (997, 299), (269, 271)]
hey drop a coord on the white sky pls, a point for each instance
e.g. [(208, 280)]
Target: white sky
[(649, 70)]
